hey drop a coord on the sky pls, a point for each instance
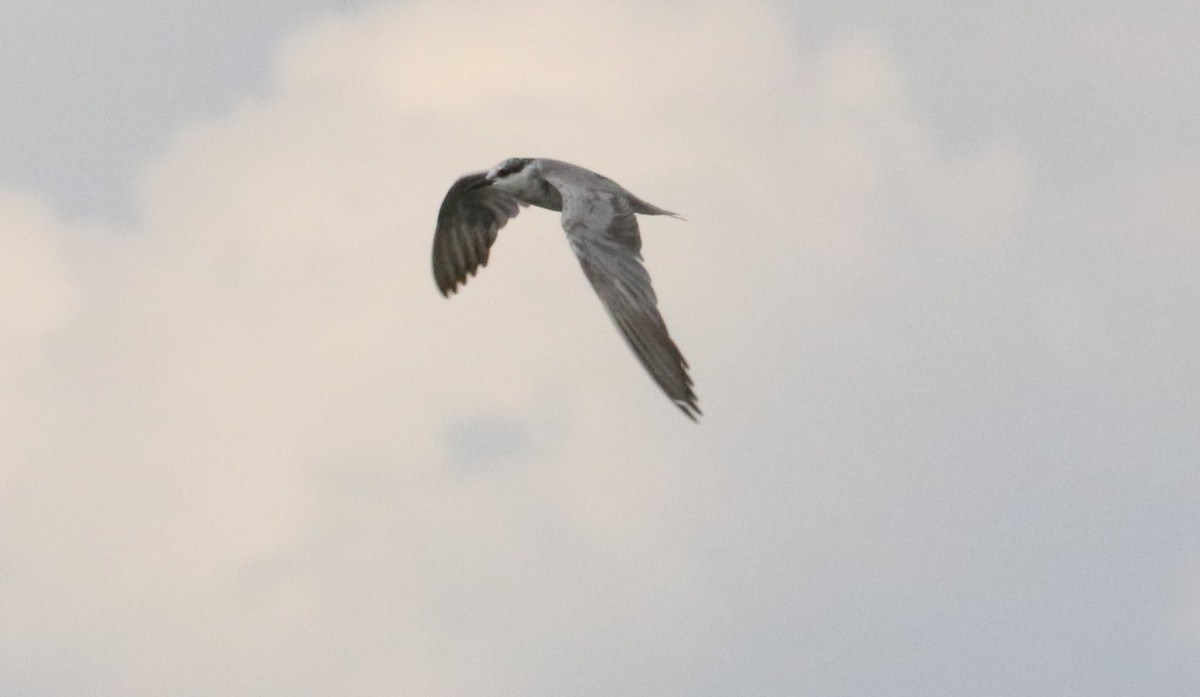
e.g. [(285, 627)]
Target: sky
[(937, 284)]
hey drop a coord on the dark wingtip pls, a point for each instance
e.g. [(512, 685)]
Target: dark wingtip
[(444, 286), (690, 409)]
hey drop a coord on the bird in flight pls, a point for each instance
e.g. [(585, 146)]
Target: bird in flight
[(599, 218)]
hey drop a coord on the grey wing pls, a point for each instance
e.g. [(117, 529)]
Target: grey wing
[(467, 224), (603, 232)]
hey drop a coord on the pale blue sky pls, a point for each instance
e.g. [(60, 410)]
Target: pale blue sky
[(937, 286)]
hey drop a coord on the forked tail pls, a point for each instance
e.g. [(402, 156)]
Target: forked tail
[(640, 206)]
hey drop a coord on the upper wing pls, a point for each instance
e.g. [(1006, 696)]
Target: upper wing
[(603, 232), (466, 228)]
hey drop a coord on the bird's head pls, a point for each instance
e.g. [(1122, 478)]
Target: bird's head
[(510, 175)]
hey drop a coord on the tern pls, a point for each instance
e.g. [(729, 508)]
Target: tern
[(599, 217)]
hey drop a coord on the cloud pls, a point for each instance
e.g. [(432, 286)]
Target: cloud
[(257, 453), (37, 289)]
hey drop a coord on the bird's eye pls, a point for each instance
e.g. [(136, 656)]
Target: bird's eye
[(511, 167)]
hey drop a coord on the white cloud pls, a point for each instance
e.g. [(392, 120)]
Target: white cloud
[(38, 294), (261, 455)]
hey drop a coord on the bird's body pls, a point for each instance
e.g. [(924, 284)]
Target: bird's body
[(599, 218)]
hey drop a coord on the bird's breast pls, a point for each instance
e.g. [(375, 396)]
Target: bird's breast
[(544, 196)]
